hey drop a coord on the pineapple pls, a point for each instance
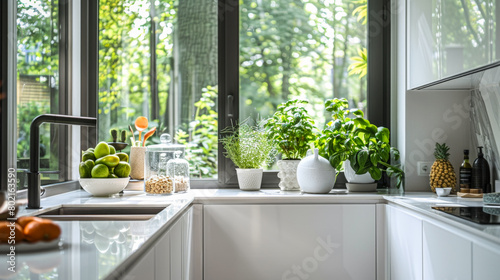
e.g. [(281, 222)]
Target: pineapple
[(442, 173)]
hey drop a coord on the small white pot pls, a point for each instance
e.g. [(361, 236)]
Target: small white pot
[(352, 177), (249, 179), (288, 175), (315, 174)]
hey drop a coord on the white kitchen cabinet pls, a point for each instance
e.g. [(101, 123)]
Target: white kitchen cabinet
[(162, 257), (176, 250), (405, 244), (446, 254), (485, 261), (289, 242), (448, 37), (143, 269)]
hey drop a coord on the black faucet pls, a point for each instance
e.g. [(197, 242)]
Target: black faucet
[(33, 173)]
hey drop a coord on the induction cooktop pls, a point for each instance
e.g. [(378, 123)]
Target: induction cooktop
[(479, 215)]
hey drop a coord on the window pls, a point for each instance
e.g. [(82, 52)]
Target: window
[(40, 77), (159, 59), (194, 67)]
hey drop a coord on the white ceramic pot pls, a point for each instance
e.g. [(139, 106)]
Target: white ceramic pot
[(288, 175), (249, 179), (315, 174), (352, 177)]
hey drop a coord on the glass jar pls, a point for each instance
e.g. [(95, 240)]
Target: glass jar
[(178, 169), (156, 180)]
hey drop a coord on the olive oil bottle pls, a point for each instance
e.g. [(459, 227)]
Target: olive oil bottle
[(465, 172)]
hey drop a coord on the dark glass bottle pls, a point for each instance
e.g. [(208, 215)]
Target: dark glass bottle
[(465, 172), (481, 173)]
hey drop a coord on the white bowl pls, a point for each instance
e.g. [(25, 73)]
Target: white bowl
[(103, 186), (443, 191)]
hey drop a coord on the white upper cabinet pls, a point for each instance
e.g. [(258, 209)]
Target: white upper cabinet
[(447, 37)]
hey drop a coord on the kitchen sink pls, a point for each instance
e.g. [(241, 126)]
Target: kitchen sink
[(101, 213)]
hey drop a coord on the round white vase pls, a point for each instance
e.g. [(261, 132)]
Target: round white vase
[(315, 174), (249, 179), (352, 177), (288, 175)]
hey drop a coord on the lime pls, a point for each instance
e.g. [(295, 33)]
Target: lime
[(109, 160), (112, 150), (101, 150), (88, 155), (90, 164), (100, 171), (112, 176), (90, 150), (84, 170), (122, 170), (122, 156)]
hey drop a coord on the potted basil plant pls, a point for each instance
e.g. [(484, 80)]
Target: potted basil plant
[(248, 147), (353, 144), (291, 130)]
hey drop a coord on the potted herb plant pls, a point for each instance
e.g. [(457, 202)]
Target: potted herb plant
[(248, 147), (353, 144), (291, 130)]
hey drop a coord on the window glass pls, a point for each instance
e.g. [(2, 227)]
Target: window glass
[(38, 84), (308, 49), (182, 97)]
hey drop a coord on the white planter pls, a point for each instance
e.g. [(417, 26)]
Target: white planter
[(288, 175), (352, 177), (315, 174), (249, 179)]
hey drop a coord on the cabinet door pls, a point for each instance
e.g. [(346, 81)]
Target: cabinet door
[(162, 257), (446, 255), (289, 242), (176, 251), (144, 268), (485, 262), (187, 240), (448, 37), (405, 244)]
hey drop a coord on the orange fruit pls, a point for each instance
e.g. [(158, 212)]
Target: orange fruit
[(5, 231), (44, 230), (23, 221)]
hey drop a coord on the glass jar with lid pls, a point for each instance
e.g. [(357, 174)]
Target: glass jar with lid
[(178, 169), (156, 179)]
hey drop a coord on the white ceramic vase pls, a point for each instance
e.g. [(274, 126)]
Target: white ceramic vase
[(315, 174), (249, 179), (288, 175)]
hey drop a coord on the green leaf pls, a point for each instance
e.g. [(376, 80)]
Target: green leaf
[(375, 173), (362, 158), (383, 134), (361, 122), (374, 159)]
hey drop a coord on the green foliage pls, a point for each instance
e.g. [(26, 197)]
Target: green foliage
[(350, 136), (291, 129), (201, 139), (360, 64), (247, 146), (26, 113)]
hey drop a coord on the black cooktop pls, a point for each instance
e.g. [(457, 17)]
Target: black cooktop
[(480, 215)]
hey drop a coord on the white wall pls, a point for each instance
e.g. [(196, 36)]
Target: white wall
[(435, 116)]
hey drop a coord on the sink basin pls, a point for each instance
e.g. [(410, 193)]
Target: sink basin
[(101, 213)]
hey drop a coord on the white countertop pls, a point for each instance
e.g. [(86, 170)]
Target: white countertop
[(97, 249), (101, 249)]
